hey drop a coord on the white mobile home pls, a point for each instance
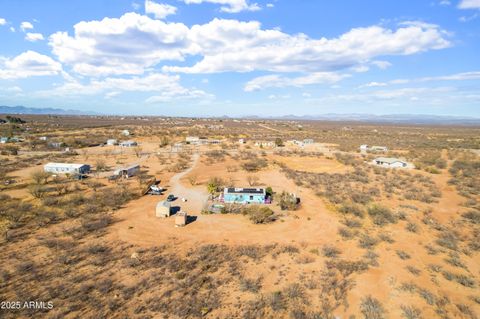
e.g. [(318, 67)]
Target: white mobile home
[(128, 144), (66, 168), (391, 162)]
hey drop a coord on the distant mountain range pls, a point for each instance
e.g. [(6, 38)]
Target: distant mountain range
[(424, 119), (34, 110), (390, 118)]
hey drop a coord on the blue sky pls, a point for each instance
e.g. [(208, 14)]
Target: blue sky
[(242, 57)]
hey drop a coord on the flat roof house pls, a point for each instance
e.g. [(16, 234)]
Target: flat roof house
[(111, 141), (390, 162), (244, 195), (66, 168)]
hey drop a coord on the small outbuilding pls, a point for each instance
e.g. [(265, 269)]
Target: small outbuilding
[(112, 142), (164, 209), (181, 219)]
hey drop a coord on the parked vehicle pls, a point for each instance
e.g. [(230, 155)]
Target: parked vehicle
[(170, 198)]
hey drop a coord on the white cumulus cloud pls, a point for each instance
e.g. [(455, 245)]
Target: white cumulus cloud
[(27, 64), (134, 43), (26, 26), (32, 37), (159, 10), (3, 21), (229, 6), (469, 4)]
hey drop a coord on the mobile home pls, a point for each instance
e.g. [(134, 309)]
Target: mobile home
[(127, 171), (244, 195), (66, 168)]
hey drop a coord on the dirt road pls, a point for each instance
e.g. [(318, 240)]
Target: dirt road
[(195, 196)]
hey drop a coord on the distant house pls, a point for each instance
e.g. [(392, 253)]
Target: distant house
[(112, 142), (308, 141), (66, 168), (126, 133), (379, 149), (43, 138), (365, 148), (241, 141), (129, 171), (128, 144), (192, 140), (4, 140), (244, 195), (390, 162), (265, 144), (56, 144)]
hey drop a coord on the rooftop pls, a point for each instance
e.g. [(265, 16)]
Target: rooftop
[(232, 190), (68, 165), (388, 160)]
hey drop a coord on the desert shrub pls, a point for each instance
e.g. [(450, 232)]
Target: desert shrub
[(346, 233), (276, 301), (254, 165), (413, 270), (448, 240), (260, 215), (367, 241), (352, 223), (251, 285), (381, 215), (472, 216), (459, 278), (348, 208), (371, 308), (412, 227), (294, 291), (40, 177), (403, 255), (454, 260), (411, 312), (330, 251), (38, 191), (287, 201), (430, 298)]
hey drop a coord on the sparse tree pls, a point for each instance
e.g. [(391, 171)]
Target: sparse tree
[(193, 180), (40, 177)]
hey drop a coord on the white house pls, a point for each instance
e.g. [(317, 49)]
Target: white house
[(364, 148), (379, 149), (241, 141), (3, 140), (391, 162), (66, 168), (192, 140), (126, 133), (128, 144), (308, 141), (43, 138), (112, 142)]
